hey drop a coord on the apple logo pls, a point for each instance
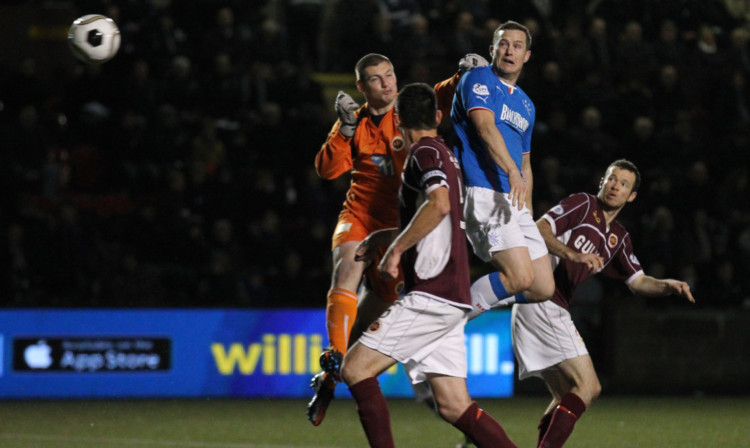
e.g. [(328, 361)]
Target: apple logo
[(38, 356)]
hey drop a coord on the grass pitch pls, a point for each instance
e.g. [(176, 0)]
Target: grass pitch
[(613, 422)]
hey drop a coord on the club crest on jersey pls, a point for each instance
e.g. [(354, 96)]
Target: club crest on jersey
[(397, 143), (527, 105), (399, 286), (612, 240), (480, 89), (374, 327)]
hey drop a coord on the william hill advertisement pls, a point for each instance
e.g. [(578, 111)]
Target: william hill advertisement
[(202, 353)]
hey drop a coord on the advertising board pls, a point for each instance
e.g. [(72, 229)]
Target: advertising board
[(202, 353)]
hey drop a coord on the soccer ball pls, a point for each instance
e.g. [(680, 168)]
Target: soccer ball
[(94, 38)]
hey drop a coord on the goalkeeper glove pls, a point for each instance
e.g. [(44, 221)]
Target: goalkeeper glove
[(470, 61), (345, 108)]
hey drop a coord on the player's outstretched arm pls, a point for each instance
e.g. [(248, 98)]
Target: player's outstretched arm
[(650, 286)]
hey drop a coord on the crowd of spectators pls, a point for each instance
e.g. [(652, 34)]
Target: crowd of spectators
[(180, 173)]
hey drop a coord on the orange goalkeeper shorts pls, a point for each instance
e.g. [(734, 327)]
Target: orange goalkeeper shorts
[(350, 228)]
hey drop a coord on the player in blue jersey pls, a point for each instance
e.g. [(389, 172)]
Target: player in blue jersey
[(493, 121)]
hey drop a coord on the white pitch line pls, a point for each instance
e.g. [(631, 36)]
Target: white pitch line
[(142, 442)]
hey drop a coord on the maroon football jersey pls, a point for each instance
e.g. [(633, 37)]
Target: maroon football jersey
[(439, 264), (578, 221)]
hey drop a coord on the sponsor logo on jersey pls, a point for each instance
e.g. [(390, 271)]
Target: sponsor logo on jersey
[(584, 245), (596, 217), (384, 164), (514, 118), (397, 143), (612, 240), (343, 227)]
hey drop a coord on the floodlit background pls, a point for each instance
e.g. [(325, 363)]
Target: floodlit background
[(178, 178)]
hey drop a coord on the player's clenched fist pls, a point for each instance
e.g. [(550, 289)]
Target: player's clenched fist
[(345, 108)]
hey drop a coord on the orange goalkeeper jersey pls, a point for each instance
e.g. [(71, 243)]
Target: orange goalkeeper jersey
[(375, 155)]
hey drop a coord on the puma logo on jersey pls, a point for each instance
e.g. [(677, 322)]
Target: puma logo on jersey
[(384, 164)]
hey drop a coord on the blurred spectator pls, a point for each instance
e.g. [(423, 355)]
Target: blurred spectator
[(669, 48), (593, 144), (24, 87), (464, 37), (573, 50), (550, 91), (222, 94), (722, 288), (180, 88), (225, 35), (669, 96), (739, 50), (381, 40), (642, 143), (27, 144), (635, 55), (165, 40), (303, 20), (601, 48)]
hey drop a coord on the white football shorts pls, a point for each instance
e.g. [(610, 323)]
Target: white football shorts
[(424, 334), (493, 225), (543, 335)]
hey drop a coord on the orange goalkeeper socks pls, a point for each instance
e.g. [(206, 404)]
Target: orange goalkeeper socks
[(340, 314)]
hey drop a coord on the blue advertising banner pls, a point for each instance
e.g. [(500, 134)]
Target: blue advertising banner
[(202, 353)]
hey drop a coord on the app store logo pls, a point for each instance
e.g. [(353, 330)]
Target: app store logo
[(38, 356), (91, 354)]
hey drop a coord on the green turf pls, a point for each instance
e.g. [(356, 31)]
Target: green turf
[(612, 422)]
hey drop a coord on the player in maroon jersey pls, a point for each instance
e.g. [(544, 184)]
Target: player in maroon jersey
[(424, 330), (584, 239)]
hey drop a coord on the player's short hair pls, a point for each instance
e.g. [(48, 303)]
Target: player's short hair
[(369, 60), (416, 106), (625, 164), (511, 25)]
